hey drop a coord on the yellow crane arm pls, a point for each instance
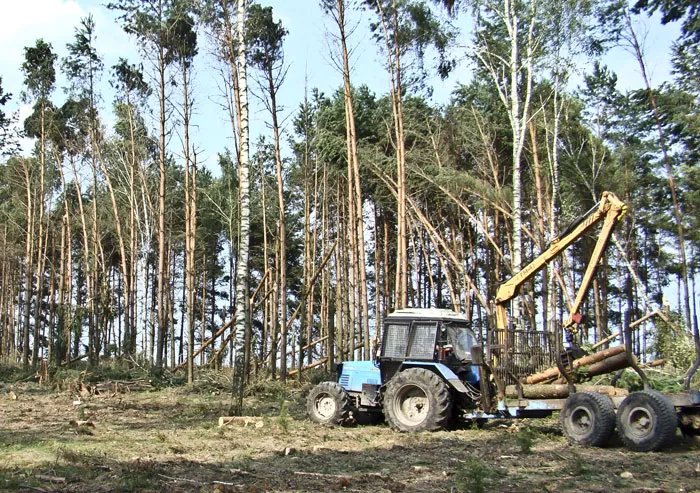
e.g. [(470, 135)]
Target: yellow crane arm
[(610, 209)]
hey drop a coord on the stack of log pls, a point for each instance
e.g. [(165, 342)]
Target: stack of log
[(550, 383), (558, 390), (595, 364)]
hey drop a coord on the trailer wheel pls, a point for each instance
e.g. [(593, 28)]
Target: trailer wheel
[(328, 403), (646, 421), (417, 399), (588, 419)]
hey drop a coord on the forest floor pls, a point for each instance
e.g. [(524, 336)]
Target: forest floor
[(67, 438)]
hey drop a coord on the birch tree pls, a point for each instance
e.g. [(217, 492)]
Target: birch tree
[(243, 329)]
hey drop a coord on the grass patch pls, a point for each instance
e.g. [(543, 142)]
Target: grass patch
[(525, 438), (283, 420), (474, 476), (577, 465), (137, 481)]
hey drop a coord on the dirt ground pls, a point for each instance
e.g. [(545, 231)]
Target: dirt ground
[(169, 440)]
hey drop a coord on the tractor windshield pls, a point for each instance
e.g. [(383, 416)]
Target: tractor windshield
[(461, 338)]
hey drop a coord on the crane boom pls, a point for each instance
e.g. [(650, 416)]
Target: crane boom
[(610, 210)]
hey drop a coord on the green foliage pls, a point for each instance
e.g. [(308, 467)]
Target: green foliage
[(525, 438), (686, 11), (39, 70), (316, 376), (269, 389), (577, 465), (668, 380), (264, 38), (83, 64), (10, 373), (673, 343), (8, 143), (283, 420), (474, 476), (182, 38), (128, 80), (415, 28)]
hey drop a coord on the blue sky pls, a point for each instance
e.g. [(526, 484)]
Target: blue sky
[(307, 51)]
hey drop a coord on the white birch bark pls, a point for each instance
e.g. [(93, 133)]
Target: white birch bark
[(242, 304)]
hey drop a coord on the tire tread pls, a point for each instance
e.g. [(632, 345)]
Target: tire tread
[(441, 408), (605, 418), (342, 403), (667, 421)]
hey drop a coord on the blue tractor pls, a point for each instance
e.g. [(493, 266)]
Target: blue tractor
[(422, 378)]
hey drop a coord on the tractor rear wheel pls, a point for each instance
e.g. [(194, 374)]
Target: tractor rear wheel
[(646, 421), (417, 399), (328, 403), (588, 419)]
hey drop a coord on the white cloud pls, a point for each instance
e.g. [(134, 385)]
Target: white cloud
[(25, 21), (28, 20)]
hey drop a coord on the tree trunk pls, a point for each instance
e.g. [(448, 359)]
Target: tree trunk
[(243, 330), (28, 268)]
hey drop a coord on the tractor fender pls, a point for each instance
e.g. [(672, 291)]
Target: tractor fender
[(443, 370)]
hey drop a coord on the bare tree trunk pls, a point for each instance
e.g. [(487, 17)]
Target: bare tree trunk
[(540, 223), (39, 275), (354, 185), (28, 267), (282, 229), (243, 327), (327, 322), (162, 311), (393, 48), (305, 332), (269, 282)]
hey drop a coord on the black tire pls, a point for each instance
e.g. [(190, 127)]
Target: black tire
[(588, 419), (646, 421), (328, 403), (417, 399)]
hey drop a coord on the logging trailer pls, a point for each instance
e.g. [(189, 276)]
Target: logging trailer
[(432, 369)]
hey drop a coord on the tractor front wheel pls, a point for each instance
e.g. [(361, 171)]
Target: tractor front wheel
[(328, 404), (417, 399)]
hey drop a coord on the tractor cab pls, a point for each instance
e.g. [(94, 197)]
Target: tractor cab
[(424, 337)]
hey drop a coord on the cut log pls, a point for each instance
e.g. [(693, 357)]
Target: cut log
[(609, 365), (553, 373), (307, 367), (51, 479), (606, 340), (205, 344), (256, 421), (558, 391), (656, 362)]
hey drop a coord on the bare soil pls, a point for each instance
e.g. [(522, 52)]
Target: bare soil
[(169, 440)]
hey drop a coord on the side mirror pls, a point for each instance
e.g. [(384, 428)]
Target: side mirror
[(477, 354)]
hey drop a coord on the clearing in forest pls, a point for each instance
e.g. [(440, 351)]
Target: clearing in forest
[(136, 437)]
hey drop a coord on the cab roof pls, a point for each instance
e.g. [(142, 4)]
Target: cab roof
[(442, 314)]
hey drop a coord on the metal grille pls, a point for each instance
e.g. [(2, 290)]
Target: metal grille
[(423, 341), (525, 352), (395, 341)]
